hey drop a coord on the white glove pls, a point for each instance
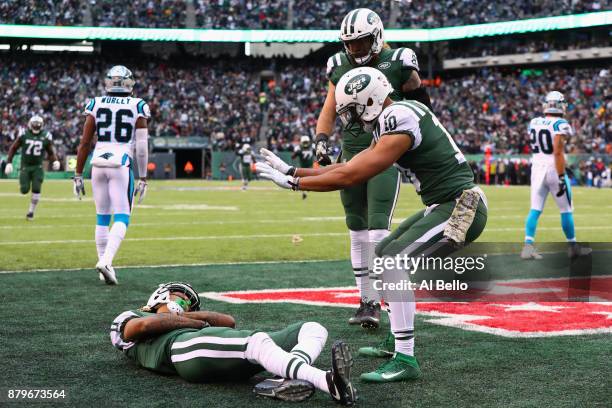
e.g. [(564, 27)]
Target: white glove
[(141, 189), (280, 179), (55, 165), (277, 163), (79, 186), (8, 169)]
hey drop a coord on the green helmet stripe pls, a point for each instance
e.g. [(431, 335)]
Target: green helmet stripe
[(353, 20)]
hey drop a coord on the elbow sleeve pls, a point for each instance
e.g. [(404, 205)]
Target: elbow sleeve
[(142, 151)]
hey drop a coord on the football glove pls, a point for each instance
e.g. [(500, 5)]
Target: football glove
[(278, 178), (79, 186), (321, 149), (562, 185), (141, 189), (8, 169), (277, 163), (55, 165)]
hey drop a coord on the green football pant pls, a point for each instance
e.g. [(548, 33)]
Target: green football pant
[(31, 176), (218, 353), (370, 205), (246, 172)]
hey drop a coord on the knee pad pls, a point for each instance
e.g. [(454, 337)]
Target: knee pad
[(313, 329), (377, 221), (356, 223)]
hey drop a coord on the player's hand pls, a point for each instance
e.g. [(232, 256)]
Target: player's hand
[(8, 169), (321, 150), (79, 186), (141, 190), (55, 166), (562, 186), (278, 178), (277, 163)]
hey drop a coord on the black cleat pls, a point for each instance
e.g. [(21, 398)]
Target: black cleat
[(284, 389), (356, 319), (339, 377), (370, 318), (30, 216), (575, 250)]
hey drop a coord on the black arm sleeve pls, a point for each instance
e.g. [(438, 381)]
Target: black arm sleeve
[(419, 94)]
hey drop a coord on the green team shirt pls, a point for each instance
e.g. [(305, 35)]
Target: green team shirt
[(396, 64), (305, 156), (33, 147), (153, 354), (435, 165)]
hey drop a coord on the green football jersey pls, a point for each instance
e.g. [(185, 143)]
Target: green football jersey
[(396, 64), (33, 148), (435, 165), (153, 354)]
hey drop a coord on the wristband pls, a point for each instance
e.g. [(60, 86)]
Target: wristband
[(321, 137), (291, 171)]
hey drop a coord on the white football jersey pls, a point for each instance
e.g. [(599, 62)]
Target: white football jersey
[(116, 118), (542, 131)]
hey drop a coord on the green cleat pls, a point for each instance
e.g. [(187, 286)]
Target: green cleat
[(400, 368), (385, 348)]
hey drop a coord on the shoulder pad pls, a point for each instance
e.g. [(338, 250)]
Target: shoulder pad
[(143, 109), (563, 127), (49, 136), (90, 106), (333, 62), (401, 118), (407, 56)]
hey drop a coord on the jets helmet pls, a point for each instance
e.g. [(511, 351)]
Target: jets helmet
[(35, 124), (361, 23), (119, 79), (555, 103), (360, 95), (305, 141), (161, 295)]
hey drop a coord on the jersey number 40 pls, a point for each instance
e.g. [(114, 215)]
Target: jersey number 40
[(123, 129), (541, 143)]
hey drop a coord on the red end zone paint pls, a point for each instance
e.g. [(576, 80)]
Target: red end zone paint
[(507, 310)]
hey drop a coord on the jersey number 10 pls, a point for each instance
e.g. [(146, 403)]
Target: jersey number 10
[(123, 130), (541, 143)]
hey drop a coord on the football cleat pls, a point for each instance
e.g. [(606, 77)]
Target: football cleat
[(108, 272), (339, 377), (401, 367), (101, 277), (385, 348), (356, 319), (29, 216), (530, 252), (370, 319), (284, 389), (574, 250)]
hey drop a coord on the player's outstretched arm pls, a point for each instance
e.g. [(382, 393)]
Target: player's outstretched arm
[(213, 318), (146, 327), (325, 126)]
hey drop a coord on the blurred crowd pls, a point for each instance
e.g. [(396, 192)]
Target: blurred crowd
[(271, 14)]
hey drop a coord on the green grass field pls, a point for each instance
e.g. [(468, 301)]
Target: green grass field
[(57, 314)]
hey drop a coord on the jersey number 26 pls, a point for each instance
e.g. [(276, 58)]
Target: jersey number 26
[(123, 130)]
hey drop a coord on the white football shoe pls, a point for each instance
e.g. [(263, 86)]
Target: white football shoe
[(107, 272), (530, 252)]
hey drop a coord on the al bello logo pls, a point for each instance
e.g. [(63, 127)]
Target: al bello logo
[(516, 308)]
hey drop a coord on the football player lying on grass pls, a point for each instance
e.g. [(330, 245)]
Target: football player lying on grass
[(408, 135), (205, 347)]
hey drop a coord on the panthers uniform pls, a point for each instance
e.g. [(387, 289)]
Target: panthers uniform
[(439, 172), (370, 205), (544, 178), (205, 355), (31, 174)]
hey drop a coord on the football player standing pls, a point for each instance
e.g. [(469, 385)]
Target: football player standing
[(408, 135), (31, 174), (305, 155), (548, 134), (119, 122), (368, 206)]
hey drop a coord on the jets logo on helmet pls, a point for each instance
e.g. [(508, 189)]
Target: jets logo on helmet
[(305, 141), (161, 295), (555, 103), (119, 79), (365, 104), (35, 124), (362, 23)]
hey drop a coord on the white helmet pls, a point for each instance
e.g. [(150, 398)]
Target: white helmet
[(305, 141), (360, 23), (35, 124), (555, 103), (360, 95), (161, 295), (119, 79)]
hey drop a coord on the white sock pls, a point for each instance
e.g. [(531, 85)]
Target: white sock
[(262, 350), (359, 260), (116, 235), (101, 239), (311, 339), (375, 236), (402, 308), (34, 202)]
